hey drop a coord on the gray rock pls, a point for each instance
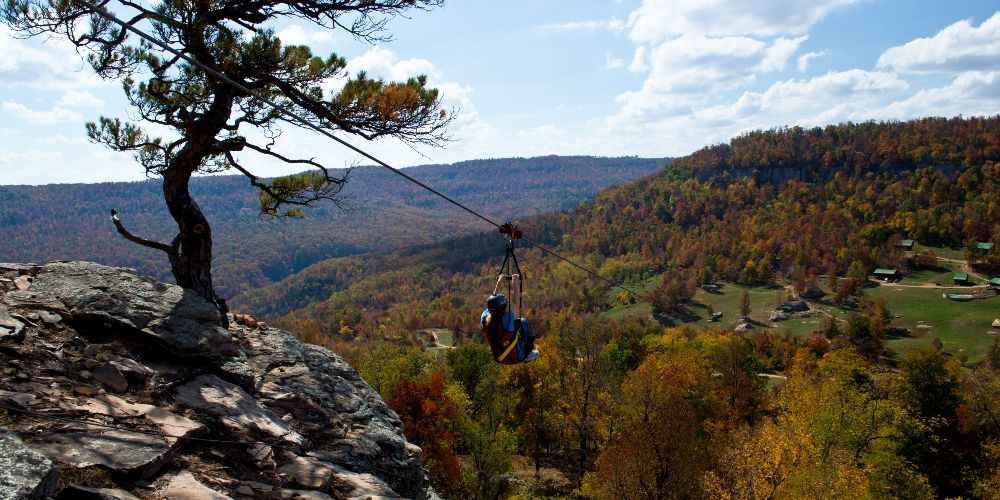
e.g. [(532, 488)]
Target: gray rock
[(326, 395), (99, 297), (112, 378), (354, 485), (11, 329), (302, 495), (744, 327), (184, 486), (74, 492), (24, 473), (22, 399), (777, 316), (121, 451), (235, 408), (308, 472)]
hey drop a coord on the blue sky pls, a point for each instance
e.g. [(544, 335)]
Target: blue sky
[(603, 77)]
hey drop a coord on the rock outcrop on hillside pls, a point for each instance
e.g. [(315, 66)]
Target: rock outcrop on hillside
[(117, 386)]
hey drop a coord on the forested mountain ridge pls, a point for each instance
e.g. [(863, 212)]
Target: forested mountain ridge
[(41, 223), (854, 147), (738, 229)]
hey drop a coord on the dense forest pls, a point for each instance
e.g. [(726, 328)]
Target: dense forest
[(751, 415), (382, 211)]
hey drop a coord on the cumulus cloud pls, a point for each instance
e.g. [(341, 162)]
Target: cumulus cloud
[(803, 62), (298, 35), (656, 20), (74, 98), (970, 93), (52, 116), (959, 47), (54, 65)]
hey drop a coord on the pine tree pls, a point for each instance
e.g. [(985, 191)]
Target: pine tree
[(208, 120)]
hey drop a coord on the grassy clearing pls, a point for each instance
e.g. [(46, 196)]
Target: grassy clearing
[(963, 327)]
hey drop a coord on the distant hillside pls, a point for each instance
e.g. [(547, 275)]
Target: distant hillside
[(71, 221), (686, 229)]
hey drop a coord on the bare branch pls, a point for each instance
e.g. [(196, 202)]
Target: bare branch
[(163, 247)]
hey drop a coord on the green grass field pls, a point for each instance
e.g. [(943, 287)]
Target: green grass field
[(963, 327)]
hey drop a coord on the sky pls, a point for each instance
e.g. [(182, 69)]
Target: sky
[(649, 78)]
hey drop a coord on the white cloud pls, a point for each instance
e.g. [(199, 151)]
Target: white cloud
[(49, 117), (804, 60), (74, 98), (613, 24), (687, 72), (298, 35), (657, 20), (777, 55), (971, 93), (638, 64), (612, 62), (49, 64), (959, 47)]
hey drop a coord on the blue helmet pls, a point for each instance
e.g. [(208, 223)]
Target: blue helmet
[(497, 303)]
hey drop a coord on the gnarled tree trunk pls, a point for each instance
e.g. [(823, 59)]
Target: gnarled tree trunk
[(191, 260)]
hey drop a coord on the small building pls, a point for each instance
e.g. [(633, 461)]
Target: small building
[(984, 246), (961, 278), (793, 306), (886, 274), (995, 282), (905, 244), (996, 323)]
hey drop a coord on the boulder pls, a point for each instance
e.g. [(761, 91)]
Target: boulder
[(22, 282), (777, 316), (125, 452), (11, 330), (234, 408), (92, 296), (744, 327), (111, 377), (184, 486), (24, 473), (326, 395)]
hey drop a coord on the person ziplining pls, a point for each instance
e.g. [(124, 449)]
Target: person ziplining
[(509, 336)]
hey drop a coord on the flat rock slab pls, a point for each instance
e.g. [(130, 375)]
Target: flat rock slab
[(358, 486), (24, 473), (97, 296), (184, 486), (121, 451), (235, 408), (171, 424)]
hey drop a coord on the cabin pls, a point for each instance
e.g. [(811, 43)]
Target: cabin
[(984, 246), (886, 274), (961, 278), (793, 306), (995, 283), (905, 245)]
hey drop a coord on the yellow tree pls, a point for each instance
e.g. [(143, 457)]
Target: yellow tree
[(663, 442)]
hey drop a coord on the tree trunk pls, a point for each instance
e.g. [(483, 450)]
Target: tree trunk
[(191, 262)]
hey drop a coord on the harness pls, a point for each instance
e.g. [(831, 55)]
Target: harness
[(509, 272)]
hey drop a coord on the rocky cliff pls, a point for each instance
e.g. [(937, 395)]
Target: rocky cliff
[(118, 386)]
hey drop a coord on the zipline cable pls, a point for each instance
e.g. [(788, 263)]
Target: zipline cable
[(102, 11)]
